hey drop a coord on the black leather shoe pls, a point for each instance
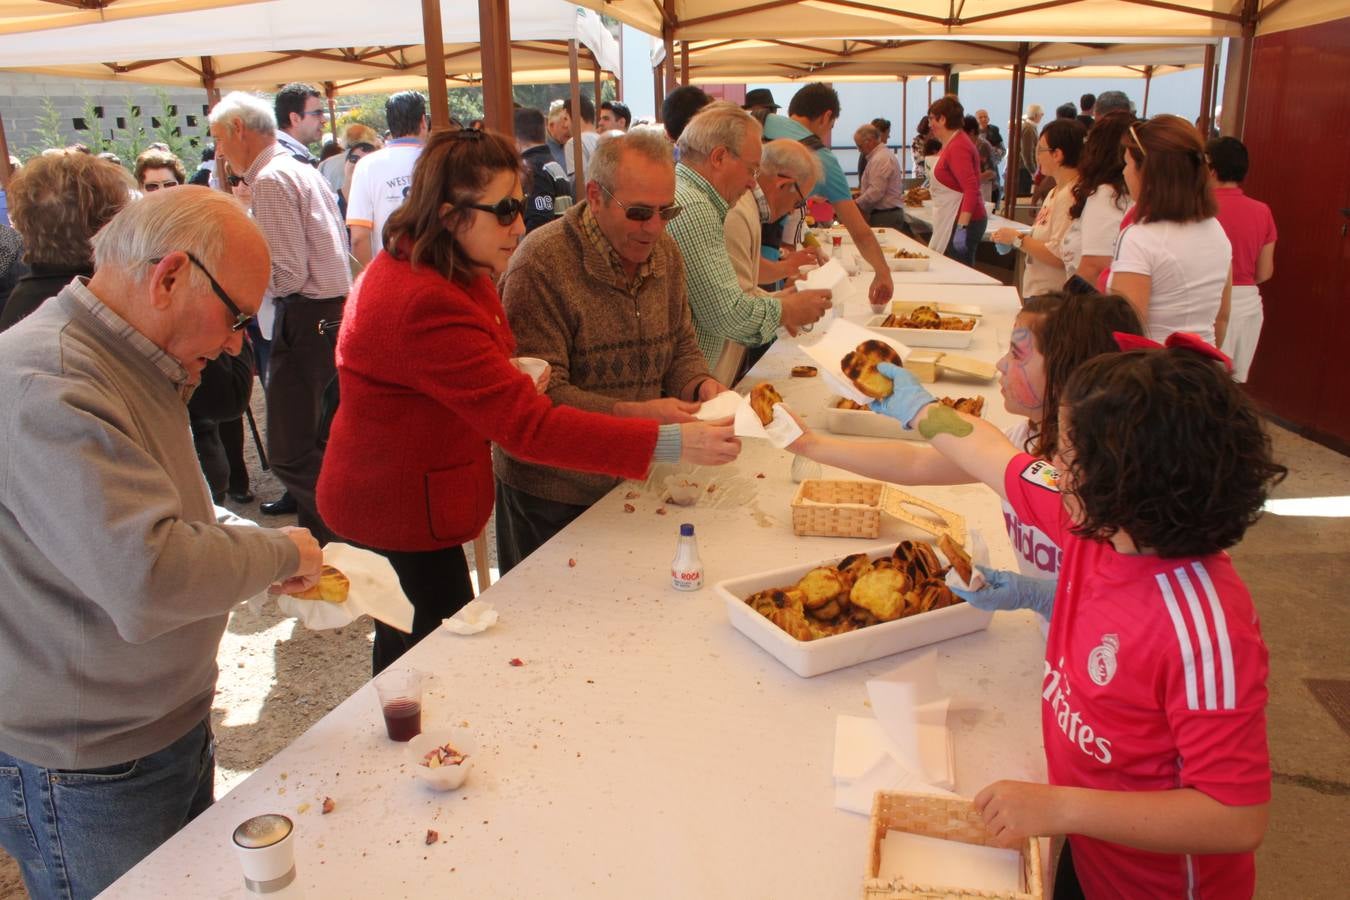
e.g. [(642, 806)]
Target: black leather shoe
[(282, 506), (244, 496)]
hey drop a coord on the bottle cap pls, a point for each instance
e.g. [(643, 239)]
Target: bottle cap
[(687, 530)]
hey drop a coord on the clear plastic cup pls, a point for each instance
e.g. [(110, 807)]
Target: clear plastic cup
[(400, 692)]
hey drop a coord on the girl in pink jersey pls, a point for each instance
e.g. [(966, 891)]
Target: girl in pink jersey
[(1153, 698)]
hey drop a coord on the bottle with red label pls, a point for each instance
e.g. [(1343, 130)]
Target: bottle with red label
[(686, 570)]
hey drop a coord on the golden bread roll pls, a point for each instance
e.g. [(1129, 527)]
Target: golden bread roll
[(331, 587), (762, 399), (881, 592), (860, 366), (819, 586)]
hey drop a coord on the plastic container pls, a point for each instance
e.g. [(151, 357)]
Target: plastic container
[(686, 570)]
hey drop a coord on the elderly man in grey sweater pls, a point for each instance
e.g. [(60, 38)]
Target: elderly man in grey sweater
[(116, 571)]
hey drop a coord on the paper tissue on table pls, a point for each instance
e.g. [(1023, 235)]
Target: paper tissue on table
[(374, 591), (907, 747), (842, 338)]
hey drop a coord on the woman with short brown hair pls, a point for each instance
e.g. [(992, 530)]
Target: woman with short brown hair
[(1173, 262), (959, 216), (57, 202), (157, 169), (428, 383)]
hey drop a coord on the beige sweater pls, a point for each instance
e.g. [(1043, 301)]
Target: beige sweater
[(742, 229), (569, 306)]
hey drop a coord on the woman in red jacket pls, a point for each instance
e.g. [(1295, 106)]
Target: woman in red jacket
[(425, 371), (959, 216)]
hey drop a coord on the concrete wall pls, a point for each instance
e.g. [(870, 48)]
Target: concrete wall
[(21, 96)]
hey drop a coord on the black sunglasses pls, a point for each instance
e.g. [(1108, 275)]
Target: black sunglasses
[(234, 180), (506, 209), (241, 318), (644, 213)]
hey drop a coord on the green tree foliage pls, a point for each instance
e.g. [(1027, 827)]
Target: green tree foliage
[(49, 132)]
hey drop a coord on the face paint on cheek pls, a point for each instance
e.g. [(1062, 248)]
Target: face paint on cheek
[(1017, 380)]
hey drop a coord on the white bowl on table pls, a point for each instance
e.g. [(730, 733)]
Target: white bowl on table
[(442, 778)]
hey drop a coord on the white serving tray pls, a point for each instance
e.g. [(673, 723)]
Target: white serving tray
[(926, 337), (907, 263), (808, 658), (865, 422)]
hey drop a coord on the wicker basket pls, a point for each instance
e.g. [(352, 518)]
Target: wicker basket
[(950, 818), (823, 508)]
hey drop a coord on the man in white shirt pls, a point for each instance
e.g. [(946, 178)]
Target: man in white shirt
[(300, 115), (382, 179), (589, 138), (881, 193)]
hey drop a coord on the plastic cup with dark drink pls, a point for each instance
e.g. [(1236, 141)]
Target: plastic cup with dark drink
[(400, 692)]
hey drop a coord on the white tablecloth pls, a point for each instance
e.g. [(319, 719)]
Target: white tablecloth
[(645, 748), (941, 269), (924, 216)]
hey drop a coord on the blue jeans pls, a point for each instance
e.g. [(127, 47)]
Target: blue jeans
[(974, 234), (74, 833)]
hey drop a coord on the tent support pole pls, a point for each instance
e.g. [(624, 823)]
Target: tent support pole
[(209, 81), (494, 30), (658, 85), (598, 98), (437, 95), (618, 76), (684, 62), (4, 156), (330, 91), (578, 158), (904, 121), (1011, 181), (1148, 83), (668, 39), (1207, 92), (1237, 80)]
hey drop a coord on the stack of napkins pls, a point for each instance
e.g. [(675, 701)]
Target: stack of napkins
[(907, 747)]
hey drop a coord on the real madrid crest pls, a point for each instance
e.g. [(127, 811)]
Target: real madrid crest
[(1101, 664)]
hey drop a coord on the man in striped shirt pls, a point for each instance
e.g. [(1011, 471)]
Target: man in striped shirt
[(719, 162), (310, 279)]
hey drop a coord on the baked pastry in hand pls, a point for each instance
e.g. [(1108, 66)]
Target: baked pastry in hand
[(860, 366), (762, 399), (331, 587), (957, 556)]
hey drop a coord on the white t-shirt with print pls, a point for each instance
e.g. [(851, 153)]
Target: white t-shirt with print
[(1052, 221), (1093, 233), (1188, 264), (380, 183), (1037, 555)]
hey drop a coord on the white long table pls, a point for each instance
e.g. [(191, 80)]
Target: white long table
[(941, 269), (644, 748)]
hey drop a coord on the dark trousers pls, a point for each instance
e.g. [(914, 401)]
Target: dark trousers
[(526, 522), (232, 439), (437, 584), (974, 234), (300, 366), (1066, 877), (887, 218)]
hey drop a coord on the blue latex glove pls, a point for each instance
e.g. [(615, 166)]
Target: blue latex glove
[(907, 398), (1010, 590), (959, 239)]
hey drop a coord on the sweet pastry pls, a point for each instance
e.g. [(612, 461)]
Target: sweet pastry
[(957, 556), (331, 587), (882, 593), (972, 406), (860, 366), (803, 371), (762, 400)]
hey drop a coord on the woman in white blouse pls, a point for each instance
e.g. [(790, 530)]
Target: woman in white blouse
[(1100, 199), (1173, 262), (1057, 152)]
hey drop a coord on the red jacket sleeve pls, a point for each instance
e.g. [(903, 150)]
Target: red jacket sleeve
[(452, 355)]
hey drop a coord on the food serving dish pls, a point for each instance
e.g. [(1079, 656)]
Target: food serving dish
[(441, 777), (841, 418), (826, 654), (917, 262), (926, 337)]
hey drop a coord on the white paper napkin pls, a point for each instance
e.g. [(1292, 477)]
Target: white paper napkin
[(783, 430), (375, 591), (913, 713), (723, 405), (866, 761), (841, 338), (473, 617), (826, 278)]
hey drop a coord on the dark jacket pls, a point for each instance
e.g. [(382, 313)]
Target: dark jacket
[(994, 136), (41, 282), (548, 182)]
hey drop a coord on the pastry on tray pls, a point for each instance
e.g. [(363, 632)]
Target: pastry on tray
[(860, 366), (803, 371), (762, 400)]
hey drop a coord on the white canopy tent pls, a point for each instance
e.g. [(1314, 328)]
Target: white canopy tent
[(36, 15)]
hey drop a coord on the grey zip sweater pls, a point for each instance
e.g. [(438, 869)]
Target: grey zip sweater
[(115, 574)]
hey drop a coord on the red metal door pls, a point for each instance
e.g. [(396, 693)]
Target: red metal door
[(1298, 135)]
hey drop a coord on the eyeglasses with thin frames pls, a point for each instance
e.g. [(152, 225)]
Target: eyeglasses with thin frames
[(638, 213), (241, 318)]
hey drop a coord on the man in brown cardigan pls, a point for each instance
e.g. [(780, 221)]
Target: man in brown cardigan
[(600, 295)]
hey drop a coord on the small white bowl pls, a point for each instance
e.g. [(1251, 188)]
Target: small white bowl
[(443, 778), (682, 494)]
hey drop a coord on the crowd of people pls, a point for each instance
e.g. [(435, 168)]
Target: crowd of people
[(385, 291)]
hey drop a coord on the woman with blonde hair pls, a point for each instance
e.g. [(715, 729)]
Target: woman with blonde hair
[(57, 202)]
